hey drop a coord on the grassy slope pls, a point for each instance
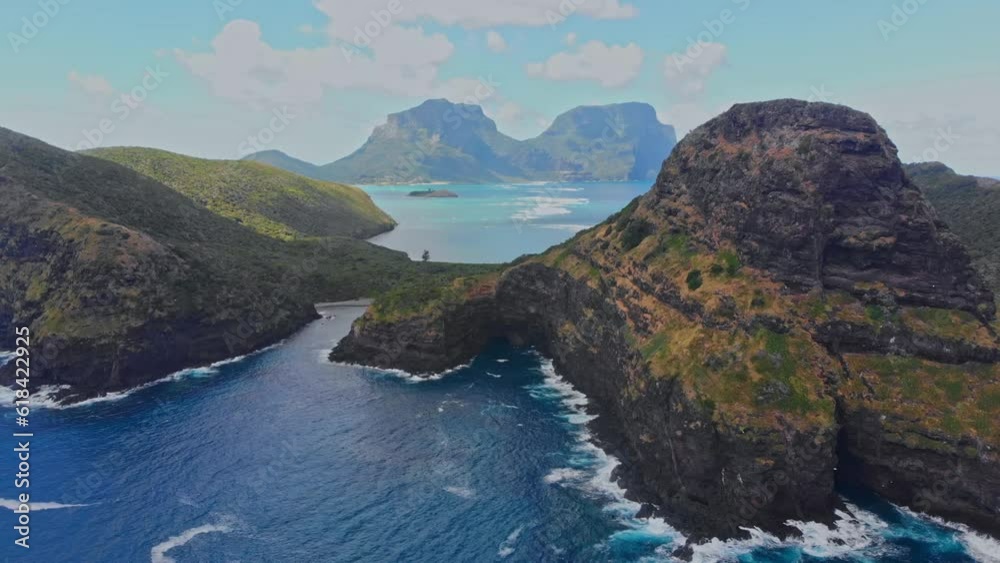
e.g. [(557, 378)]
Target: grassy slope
[(970, 206), (269, 200), (281, 160), (115, 264)]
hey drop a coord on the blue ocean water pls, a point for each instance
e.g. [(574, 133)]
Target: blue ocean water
[(496, 223), (283, 456)]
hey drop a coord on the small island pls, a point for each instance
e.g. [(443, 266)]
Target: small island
[(433, 193)]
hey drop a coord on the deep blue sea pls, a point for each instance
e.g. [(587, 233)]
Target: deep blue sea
[(283, 456)]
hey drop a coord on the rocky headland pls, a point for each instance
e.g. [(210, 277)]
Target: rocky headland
[(782, 310)]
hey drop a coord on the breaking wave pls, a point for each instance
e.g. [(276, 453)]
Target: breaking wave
[(11, 504), (47, 396), (159, 552)]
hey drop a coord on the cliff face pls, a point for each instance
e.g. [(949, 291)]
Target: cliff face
[(817, 197), (613, 142), (780, 309)]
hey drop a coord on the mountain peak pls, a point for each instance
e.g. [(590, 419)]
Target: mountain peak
[(439, 115), (282, 160), (597, 119), (439, 140), (816, 194)]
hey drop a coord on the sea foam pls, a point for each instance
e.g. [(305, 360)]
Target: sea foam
[(405, 375), (11, 504), (592, 468), (159, 552), (508, 546), (45, 397), (855, 532)]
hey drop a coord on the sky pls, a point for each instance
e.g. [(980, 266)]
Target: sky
[(220, 78)]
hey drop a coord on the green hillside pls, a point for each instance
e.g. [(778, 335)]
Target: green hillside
[(281, 160), (971, 207), (269, 200), (123, 279)]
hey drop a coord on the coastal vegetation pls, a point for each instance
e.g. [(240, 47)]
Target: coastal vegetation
[(269, 200)]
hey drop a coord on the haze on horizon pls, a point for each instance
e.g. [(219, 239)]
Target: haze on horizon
[(200, 78)]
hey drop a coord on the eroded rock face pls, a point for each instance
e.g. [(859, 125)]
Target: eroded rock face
[(815, 194), (782, 301)]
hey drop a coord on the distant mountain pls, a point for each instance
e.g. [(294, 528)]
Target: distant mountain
[(970, 205), (281, 160), (439, 141), (269, 200), (614, 142)]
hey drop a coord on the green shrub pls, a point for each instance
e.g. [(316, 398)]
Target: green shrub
[(875, 313), (635, 232), (731, 262), (694, 280)]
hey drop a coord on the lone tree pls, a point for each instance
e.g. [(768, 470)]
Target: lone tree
[(426, 255)]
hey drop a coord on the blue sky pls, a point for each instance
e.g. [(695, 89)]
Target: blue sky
[(213, 73)]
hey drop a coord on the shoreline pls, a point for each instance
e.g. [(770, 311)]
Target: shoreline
[(360, 302)]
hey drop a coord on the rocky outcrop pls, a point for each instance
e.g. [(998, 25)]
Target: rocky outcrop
[(780, 305), (816, 195)]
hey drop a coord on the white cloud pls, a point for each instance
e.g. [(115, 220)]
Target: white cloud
[(348, 15), (688, 72), (496, 42), (610, 65), (570, 39), (91, 83), (508, 112), (685, 116), (242, 67), (378, 45)]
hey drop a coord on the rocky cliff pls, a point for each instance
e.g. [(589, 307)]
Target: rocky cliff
[(781, 310)]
